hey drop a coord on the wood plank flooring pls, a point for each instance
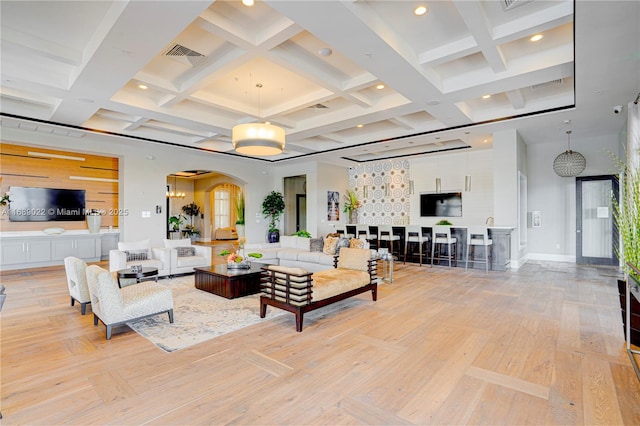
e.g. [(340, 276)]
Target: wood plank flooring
[(543, 345)]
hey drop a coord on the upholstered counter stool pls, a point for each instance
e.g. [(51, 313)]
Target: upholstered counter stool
[(442, 235), (385, 234), (478, 236), (412, 236)]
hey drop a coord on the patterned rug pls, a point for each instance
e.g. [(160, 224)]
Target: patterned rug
[(199, 316)]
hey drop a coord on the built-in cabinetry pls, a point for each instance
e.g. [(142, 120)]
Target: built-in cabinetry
[(32, 249)]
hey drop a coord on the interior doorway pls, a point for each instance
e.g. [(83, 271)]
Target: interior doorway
[(301, 212), (596, 230)]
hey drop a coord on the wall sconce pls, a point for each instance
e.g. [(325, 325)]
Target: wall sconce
[(365, 190), (387, 189), (411, 189), (467, 183), (438, 185)]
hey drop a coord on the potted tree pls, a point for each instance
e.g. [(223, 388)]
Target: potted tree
[(192, 210), (176, 221), (272, 208), (240, 215)]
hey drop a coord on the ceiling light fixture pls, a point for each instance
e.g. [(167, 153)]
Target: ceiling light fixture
[(380, 86), (486, 96), (325, 51), (142, 87), (569, 163), (258, 138), (247, 2), (536, 37), (174, 193), (420, 10), (359, 126)]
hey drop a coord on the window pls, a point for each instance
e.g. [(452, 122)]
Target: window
[(222, 208)]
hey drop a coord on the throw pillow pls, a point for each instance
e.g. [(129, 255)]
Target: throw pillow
[(316, 244), (356, 243), (330, 244), (342, 242), (135, 255), (185, 251)]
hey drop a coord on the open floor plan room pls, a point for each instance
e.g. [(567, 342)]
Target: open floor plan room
[(541, 345)]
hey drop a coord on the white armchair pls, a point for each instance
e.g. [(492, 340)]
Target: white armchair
[(186, 256), (114, 305), (76, 270), (140, 253)]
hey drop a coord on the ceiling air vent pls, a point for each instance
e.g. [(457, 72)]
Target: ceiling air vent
[(318, 106), (548, 83), (510, 4), (183, 54)]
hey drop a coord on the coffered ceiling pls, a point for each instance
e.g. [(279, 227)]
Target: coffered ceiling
[(348, 80)]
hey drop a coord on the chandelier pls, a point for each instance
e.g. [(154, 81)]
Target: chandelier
[(569, 163), (176, 193), (258, 138)]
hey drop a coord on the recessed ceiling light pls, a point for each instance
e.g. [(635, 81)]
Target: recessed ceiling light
[(420, 10), (142, 86), (536, 37), (380, 86), (359, 125), (485, 141), (486, 96), (325, 51), (247, 2)]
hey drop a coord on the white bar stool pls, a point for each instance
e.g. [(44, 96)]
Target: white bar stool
[(385, 233), (442, 235), (478, 236), (413, 235)]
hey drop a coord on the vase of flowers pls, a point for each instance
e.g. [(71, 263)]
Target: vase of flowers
[(351, 205), (5, 199)]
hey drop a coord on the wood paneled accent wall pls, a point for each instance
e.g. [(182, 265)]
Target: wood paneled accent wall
[(23, 166)]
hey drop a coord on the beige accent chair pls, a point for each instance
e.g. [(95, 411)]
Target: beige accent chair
[(140, 253), (76, 270), (186, 256), (114, 305), (226, 233)]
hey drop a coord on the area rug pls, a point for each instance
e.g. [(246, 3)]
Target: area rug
[(199, 316)]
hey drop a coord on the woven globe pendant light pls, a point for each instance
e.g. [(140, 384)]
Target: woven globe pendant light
[(569, 163)]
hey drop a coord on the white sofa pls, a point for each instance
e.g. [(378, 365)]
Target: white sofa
[(293, 251), (183, 262), (140, 253)]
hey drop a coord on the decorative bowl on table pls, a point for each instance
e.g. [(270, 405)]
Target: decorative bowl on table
[(239, 265)]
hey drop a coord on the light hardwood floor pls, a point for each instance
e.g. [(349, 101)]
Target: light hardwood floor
[(543, 345)]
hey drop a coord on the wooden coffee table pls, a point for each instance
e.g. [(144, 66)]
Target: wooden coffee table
[(146, 272), (229, 283)]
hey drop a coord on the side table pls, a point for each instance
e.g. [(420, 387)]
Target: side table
[(145, 272)]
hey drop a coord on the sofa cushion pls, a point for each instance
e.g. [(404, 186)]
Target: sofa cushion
[(288, 241), (316, 244), (184, 242), (185, 251), (135, 255), (356, 243), (288, 253), (134, 245), (315, 257), (191, 261), (337, 281), (303, 243), (357, 259), (342, 242), (330, 244)]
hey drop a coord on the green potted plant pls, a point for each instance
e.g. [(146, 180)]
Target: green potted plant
[(192, 210), (240, 215), (302, 233), (444, 222), (626, 212), (272, 208), (176, 221)]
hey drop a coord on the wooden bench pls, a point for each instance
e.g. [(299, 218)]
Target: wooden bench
[(298, 291)]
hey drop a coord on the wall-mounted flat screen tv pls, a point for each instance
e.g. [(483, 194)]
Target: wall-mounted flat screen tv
[(46, 204), (441, 204)]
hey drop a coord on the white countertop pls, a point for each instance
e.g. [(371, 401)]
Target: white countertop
[(18, 234)]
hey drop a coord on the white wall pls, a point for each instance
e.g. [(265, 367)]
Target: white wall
[(330, 178), (555, 196)]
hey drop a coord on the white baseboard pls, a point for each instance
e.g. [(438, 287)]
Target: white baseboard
[(552, 257)]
